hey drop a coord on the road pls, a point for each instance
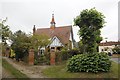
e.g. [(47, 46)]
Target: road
[(117, 60)]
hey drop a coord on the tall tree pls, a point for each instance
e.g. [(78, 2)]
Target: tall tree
[(4, 31), (21, 44), (90, 22)]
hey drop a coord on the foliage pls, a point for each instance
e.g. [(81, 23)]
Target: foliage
[(90, 22), (3, 47), (21, 44), (12, 53), (65, 54), (116, 50), (42, 59), (4, 31), (95, 62), (39, 41)]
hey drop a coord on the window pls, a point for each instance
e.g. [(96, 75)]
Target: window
[(52, 47), (102, 49), (41, 51)]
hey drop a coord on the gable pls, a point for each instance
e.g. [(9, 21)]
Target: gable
[(55, 42)]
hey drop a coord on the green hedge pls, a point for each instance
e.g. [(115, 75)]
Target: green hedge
[(95, 62)]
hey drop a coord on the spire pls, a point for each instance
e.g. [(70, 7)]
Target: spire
[(52, 22)]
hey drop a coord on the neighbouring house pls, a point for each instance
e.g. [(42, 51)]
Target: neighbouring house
[(108, 46), (60, 36)]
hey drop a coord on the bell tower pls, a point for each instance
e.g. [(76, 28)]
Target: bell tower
[(52, 26)]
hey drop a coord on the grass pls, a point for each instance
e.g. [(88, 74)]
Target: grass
[(60, 71), (16, 73)]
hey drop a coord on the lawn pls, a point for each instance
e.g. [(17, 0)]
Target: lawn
[(16, 73), (60, 71)]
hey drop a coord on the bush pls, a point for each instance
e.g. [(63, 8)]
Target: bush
[(66, 54), (73, 52), (95, 62), (116, 50), (42, 59), (58, 57)]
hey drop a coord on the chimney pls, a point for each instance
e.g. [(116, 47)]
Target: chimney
[(34, 29)]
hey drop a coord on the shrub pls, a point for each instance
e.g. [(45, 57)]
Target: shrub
[(73, 52), (95, 62), (66, 54), (42, 59), (58, 57), (116, 50)]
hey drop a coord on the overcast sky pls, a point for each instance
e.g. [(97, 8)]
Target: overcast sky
[(23, 14)]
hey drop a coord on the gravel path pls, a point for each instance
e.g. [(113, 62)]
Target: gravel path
[(29, 70)]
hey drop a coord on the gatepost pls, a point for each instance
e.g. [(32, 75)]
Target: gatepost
[(31, 57), (52, 57)]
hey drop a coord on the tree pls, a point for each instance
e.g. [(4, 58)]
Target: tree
[(90, 22), (4, 31), (21, 44), (39, 41)]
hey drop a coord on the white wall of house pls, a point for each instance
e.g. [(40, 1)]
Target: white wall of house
[(109, 48)]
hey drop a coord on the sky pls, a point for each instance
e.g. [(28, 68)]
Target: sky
[(23, 14)]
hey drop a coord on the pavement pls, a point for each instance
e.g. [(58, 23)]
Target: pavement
[(117, 60)]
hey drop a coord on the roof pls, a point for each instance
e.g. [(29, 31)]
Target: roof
[(63, 33), (109, 43)]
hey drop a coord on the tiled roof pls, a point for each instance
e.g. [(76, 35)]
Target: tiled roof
[(63, 33), (109, 43)]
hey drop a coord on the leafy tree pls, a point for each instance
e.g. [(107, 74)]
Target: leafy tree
[(4, 31), (21, 44), (90, 22), (39, 41)]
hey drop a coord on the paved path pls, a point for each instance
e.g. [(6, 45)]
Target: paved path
[(117, 60), (30, 71)]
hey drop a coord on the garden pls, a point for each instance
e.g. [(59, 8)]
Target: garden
[(82, 62), (88, 62)]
